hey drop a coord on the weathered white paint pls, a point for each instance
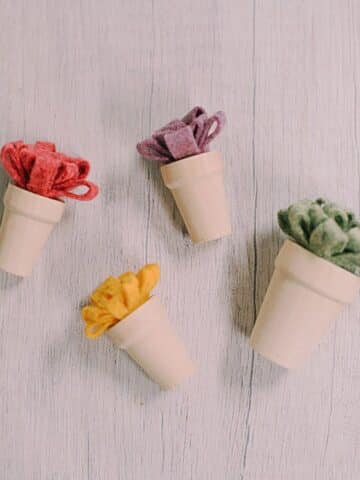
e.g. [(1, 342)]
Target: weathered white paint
[(97, 76)]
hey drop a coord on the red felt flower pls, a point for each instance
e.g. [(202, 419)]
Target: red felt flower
[(41, 169)]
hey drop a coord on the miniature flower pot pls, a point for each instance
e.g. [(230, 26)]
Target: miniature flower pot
[(198, 188), (149, 339), (26, 225), (305, 295)]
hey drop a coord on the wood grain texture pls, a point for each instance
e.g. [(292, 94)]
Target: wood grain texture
[(95, 77)]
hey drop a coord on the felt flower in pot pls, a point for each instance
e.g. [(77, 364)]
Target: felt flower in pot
[(193, 173), (137, 322), (316, 274), (41, 177)]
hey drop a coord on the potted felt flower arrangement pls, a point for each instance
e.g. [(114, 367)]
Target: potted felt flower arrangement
[(316, 273), (123, 309), (40, 178), (193, 173)]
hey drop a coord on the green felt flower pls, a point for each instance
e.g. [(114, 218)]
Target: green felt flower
[(326, 230)]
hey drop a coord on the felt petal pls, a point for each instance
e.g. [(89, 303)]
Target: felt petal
[(66, 172), (159, 135), (48, 146), (182, 143), (169, 127), (148, 278), (218, 120), (43, 174), (150, 150), (131, 293), (91, 313), (82, 167), (198, 125), (300, 222), (94, 330), (340, 216), (10, 158), (104, 292), (283, 221), (125, 277), (193, 114), (316, 215), (91, 192), (117, 308), (328, 239), (353, 244), (96, 321), (27, 159)]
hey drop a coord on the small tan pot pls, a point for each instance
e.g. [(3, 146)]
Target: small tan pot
[(305, 295), (150, 340), (26, 225), (197, 186)]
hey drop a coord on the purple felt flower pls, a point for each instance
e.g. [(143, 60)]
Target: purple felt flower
[(183, 138)]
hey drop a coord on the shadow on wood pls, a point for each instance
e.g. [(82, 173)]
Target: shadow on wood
[(8, 280), (253, 280), (152, 170), (99, 358), (250, 278)]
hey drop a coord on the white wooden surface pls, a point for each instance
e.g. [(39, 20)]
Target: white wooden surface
[(97, 76)]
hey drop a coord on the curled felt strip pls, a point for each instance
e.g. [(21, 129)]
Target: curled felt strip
[(116, 298), (183, 138), (41, 169)]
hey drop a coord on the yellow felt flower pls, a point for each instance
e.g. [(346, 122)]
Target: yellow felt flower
[(117, 297)]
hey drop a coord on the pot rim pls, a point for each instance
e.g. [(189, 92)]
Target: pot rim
[(317, 273)]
